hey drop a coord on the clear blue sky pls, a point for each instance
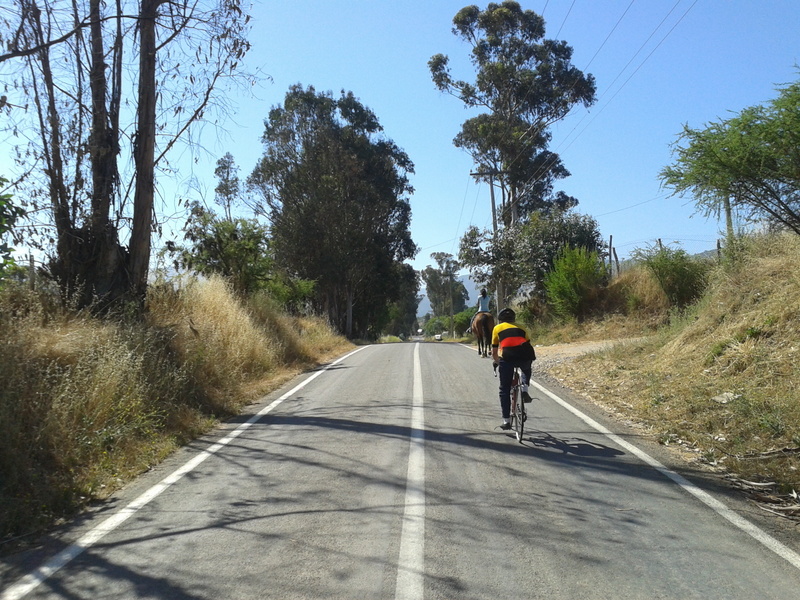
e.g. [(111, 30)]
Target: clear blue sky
[(658, 64)]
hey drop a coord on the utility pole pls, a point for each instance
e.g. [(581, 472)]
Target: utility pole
[(500, 292), (452, 283)]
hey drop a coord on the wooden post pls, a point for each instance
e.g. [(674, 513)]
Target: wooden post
[(31, 273)]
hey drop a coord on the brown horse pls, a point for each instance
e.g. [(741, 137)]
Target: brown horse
[(482, 327)]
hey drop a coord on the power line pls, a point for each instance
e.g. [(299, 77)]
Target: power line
[(475, 205), (547, 166), (613, 29), (565, 19), (632, 206), (536, 176), (461, 213)]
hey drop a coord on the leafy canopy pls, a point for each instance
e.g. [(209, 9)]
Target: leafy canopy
[(751, 160), (523, 254), (526, 83), (9, 213), (334, 191), (237, 249)]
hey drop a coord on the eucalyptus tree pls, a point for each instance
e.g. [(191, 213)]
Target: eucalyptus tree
[(444, 291), (750, 162), (335, 192), (229, 189), (525, 83), (111, 88), (402, 313)]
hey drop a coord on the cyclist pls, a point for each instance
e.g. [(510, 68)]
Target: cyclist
[(511, 347), (483, 306)]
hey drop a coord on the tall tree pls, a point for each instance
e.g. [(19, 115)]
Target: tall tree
[(74, 68), (403, 311), (228, 187), (525, 83), (750, 162), (334, 190), (444, 291)]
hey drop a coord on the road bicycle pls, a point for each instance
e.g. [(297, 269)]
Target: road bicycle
[(518, 413)]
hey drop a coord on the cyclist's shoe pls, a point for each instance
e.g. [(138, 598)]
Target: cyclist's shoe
[(526, 397), (506, 426)]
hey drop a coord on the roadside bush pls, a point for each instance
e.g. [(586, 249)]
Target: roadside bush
[(436, 325), (574, 284), (683, 278), (462, 319)]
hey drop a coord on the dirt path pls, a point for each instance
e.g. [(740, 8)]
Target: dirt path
[(572, 349), (555, 353)]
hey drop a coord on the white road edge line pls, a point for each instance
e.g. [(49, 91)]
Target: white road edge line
[(29, 582), (721, 509), (411, 564)]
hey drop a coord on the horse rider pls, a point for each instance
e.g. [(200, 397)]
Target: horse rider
[(483, 306)]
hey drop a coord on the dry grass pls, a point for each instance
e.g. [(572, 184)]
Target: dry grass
[(722, 379), (87, 404)]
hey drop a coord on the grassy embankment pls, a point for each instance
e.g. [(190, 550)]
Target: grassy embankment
[(721, 379), (87, 404)]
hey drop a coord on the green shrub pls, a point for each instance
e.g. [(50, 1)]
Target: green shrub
[(436, 325), (682, 277), (574, 283)]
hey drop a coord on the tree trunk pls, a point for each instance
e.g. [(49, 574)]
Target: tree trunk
[(144, 150), (726, 203), (104, 268), (50, 125), (348, 328)]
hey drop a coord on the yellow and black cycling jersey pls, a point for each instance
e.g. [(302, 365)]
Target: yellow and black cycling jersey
[(513, 342)]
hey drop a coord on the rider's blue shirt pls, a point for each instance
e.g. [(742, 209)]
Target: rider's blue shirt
[(483, 304)]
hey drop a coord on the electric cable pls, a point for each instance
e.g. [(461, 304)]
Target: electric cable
[(536, 176)]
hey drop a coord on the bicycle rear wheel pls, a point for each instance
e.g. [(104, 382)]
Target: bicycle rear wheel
[(519, 413)]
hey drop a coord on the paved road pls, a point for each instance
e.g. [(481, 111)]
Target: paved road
[(384, 477)]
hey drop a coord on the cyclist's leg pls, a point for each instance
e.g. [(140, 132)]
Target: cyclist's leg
[(526, 372), (505, 371)]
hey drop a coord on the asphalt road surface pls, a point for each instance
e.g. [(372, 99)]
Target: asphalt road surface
[(385, 476)]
